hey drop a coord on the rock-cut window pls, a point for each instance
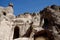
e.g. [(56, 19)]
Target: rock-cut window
[(4, 13)]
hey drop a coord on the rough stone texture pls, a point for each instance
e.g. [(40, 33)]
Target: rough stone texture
[(6, 23), (9, 24), (51, 15)]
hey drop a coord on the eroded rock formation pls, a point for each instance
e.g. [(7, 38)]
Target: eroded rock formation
[(30, 26)]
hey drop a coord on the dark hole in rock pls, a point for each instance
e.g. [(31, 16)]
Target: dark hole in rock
[(45, 23), (59, 8), (16, 32), (4, 13)]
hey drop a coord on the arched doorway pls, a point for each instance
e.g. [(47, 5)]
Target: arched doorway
[(16, 32)]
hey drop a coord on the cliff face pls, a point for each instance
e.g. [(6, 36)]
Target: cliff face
[(12, 27), (26, 25), (51, 16)]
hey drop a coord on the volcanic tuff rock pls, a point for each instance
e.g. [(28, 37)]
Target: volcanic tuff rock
[(26, 25)]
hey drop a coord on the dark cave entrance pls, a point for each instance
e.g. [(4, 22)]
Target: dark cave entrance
[(16, 32), (46, 22), (4, 13)]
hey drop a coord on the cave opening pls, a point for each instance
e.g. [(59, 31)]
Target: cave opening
[(4, 13), (16, 32)]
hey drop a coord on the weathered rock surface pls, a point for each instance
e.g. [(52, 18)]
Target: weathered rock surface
[(16, 28)]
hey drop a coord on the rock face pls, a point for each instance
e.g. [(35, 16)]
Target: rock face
[(12, 27), (51, 16), (6, 23), (24, 26)]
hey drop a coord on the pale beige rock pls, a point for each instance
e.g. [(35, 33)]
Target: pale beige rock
[(8, 22)]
